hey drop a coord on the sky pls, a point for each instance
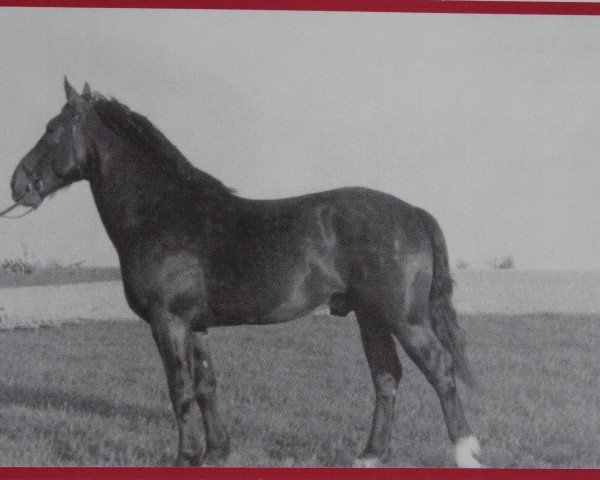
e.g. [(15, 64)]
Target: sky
[(487, 121)]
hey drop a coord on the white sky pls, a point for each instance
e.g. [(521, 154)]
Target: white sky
[(489, 122)]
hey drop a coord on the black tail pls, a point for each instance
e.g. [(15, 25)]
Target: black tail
[(441, 311)]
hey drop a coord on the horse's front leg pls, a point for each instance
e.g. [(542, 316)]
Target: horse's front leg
[(217, 440), (176, 346)]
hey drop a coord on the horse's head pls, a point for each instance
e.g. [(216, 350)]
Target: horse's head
[(60, 157)]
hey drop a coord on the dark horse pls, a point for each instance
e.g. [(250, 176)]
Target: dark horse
[(193, 256)]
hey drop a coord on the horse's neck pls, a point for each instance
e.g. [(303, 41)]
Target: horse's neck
[(128, 191)]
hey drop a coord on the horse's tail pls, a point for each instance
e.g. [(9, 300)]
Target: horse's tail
[(441, 311)]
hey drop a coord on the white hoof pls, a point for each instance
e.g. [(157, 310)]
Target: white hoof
[(465, 451), (366, 462)]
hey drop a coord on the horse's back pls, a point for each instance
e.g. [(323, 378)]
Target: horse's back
[(357, 207), (357, 224)]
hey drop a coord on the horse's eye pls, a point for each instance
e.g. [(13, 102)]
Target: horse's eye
[(49, 129)]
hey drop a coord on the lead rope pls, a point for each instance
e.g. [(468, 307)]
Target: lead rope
[(12, 207), (31, 209)]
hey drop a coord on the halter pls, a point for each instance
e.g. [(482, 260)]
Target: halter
[(28, 174)]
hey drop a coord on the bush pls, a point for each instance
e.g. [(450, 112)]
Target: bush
[(24, 265), (505, 264), (19, 266)]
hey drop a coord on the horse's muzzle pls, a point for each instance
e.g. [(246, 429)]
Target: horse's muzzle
[(25, 191)]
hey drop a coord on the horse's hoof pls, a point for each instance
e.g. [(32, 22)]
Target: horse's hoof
[(367, 462), (215, 457), (465, 451), (188, 461)]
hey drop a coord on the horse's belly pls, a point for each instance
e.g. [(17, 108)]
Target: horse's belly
[(307, 295), (275, 302), (291, 311), (295, 304)]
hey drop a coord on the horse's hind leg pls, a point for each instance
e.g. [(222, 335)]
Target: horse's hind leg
[(424, 348), (174, 340), (217, 440), (380, 350)]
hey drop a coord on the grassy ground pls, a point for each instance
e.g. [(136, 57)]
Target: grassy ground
[(298, 394)]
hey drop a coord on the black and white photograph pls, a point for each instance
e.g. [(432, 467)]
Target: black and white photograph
[(285, 239)]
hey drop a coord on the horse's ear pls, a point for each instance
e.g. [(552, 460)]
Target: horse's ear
[(87, 91), (70, 92)]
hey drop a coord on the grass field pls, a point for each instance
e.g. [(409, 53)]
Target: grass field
[(298, 394)]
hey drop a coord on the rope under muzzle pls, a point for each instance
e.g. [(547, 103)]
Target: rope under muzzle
[(18, 204)]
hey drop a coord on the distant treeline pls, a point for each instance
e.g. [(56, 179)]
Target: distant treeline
[(11, 276), (506, 263)]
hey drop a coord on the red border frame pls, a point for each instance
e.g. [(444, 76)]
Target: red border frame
[(408, 6), (229, 473)]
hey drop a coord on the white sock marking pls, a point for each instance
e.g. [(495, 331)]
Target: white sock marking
[(367, 462), (465, 451)]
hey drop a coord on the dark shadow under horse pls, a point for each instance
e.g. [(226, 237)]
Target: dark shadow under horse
[(193, 256)]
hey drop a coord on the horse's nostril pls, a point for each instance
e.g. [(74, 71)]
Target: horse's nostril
[(28, 187)]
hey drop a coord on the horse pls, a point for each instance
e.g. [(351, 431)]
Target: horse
[(194, 255)]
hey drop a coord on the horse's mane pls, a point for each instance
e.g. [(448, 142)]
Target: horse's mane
[(145, 137)]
